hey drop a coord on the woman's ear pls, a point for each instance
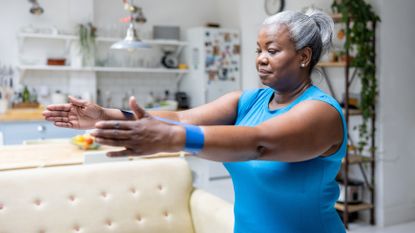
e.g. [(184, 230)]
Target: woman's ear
[(305, 56)]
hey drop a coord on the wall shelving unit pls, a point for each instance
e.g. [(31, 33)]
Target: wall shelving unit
[(88, 75), (101, 69), (366, 163), (179, 45)]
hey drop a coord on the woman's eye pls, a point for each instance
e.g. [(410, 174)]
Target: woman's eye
[(272, 51), (258, 51)]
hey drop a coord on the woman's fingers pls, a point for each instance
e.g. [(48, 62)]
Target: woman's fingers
[(118, 134), (57, 119), (77, 102), (122, 153), (113, 125), (111, 142), (55, 114), (63, 124), (59, 107), (138, 111)]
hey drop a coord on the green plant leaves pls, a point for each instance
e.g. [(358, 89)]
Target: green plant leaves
[(87, 35), (361, 19)]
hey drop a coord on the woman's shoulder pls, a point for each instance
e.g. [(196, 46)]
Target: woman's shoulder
[(315, 93)]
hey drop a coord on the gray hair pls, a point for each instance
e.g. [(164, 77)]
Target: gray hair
[(313, 29)]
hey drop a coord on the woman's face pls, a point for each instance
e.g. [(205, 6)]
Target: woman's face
[(278, 62)]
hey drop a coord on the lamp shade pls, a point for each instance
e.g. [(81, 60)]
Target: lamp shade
[(36, 9), (131, 41)]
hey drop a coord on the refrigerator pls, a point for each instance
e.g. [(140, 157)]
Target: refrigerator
[(214, 59)]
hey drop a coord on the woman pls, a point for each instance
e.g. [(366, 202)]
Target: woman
[(282, 145)]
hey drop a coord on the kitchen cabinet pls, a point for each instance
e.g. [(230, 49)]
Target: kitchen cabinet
[(17, 132)]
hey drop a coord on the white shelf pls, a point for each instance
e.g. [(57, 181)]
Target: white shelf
[(140, 70), (153, 42), (47, 36), (103, 69), (98, 39), (54, 68)]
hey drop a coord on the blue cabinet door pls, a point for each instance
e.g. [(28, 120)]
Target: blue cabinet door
[(17, 132)]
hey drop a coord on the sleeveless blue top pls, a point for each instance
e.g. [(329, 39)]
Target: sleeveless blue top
[(285, 197)]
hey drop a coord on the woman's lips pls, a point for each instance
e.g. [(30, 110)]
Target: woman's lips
[(263, 72)]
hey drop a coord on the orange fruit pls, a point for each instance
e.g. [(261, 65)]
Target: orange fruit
[(89, 141), (85, 146)]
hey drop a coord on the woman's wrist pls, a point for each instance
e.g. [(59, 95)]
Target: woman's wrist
[(184, 137), (115, 114), (177, 138), (106, 114)]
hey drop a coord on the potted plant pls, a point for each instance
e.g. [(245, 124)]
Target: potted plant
[(359, 41), (86, 43)]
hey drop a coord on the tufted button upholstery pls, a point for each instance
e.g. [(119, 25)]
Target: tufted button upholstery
[(146, 196)]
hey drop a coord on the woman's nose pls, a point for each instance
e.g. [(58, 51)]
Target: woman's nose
[(262, 59)]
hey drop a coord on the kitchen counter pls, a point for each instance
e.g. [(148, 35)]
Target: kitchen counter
[(24, 114), (52, 154)]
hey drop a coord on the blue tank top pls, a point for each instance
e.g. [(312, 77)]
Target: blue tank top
[(285, 197)]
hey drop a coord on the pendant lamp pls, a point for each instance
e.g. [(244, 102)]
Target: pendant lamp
[(131, 40), (36, 9)]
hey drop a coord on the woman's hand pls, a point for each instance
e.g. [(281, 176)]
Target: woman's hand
[(77, 114), (143, 136)]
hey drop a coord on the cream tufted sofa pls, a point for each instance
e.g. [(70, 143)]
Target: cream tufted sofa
[(142, 196)]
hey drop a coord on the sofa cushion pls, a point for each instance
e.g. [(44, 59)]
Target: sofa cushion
[(148, 195), (207, 209)]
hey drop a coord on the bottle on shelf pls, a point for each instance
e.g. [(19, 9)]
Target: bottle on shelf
[(3, 104), (166, 95), (33, 96), (26, 95), (150, 101), (99, 97)]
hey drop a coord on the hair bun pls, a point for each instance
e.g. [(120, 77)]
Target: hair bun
[(326, 25)]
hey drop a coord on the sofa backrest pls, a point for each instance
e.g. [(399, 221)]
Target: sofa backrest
[(148, 195)]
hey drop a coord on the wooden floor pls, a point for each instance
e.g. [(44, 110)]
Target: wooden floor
[(402, 228)]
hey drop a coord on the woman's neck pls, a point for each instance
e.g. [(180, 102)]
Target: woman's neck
[(282, 98)]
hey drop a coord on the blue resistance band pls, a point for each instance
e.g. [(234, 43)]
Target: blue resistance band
[(195, 138)]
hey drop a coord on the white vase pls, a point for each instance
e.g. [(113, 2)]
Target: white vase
[(75, 56), (78, 59)]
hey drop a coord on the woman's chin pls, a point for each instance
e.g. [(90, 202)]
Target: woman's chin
[(269, 83), (265, 80)]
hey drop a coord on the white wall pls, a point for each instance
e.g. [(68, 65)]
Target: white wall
[(63, 14), (228, 13), (396, 113)]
